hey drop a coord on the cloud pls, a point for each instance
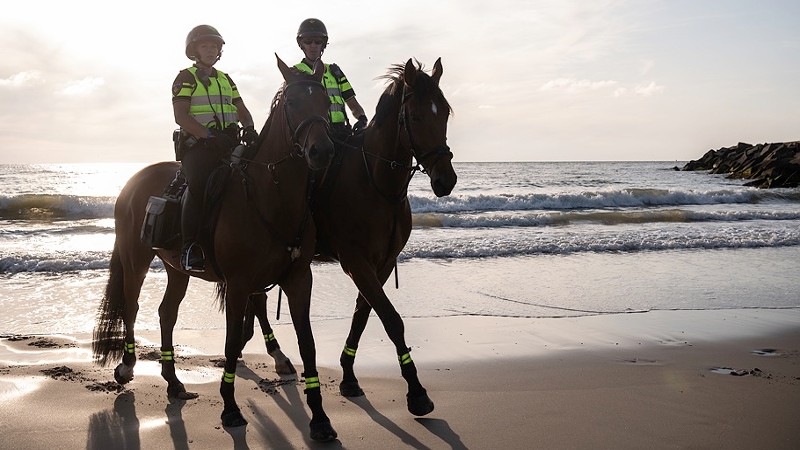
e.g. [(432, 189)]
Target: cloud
[(21, 79), (82, 87), (574, 86), (649, 89)]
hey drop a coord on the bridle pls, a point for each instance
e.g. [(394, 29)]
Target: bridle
[(403, 123), (442, 150), (295, 132)]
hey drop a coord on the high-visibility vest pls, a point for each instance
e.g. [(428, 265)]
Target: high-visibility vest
[(335, 87), (212, 99)]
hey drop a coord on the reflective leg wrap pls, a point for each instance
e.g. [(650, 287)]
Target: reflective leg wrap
[(405, 358), (312, 383), (130, 348), (167, 356), (351, 352), (269, 338), (228, 377)]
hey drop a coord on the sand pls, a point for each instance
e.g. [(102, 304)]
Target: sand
[(667, 379)]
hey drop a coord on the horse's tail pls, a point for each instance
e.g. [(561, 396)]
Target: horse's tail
[(108, 343), (220, 296)]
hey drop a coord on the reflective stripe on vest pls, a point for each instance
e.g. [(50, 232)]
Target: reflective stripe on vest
[(217, 99), (336, 113)]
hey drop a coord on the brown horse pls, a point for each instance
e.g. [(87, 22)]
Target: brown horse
[(264, 235), (363, 215)]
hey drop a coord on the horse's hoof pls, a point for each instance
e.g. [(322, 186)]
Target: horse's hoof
[(323, 431), (233, 418), (286, 368), (178, 392), (350, 389), (123, 374), (420, 405)]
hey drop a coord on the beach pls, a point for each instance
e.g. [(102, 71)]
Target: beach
[(547, 305), (666, 379)]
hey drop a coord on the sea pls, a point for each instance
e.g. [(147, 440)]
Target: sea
[(514, 239)]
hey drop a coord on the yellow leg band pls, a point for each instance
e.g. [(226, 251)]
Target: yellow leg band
[(269, 337), (167, 355), (130, 347), (404, 359), (349, 351), (228, 377), (312, 382)]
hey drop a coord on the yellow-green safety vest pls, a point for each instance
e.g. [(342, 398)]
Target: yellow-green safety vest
[(335, 89), (216, 99)]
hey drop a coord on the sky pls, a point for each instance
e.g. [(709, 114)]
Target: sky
[(549, 80)]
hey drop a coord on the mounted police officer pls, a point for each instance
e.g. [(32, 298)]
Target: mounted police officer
[(208, 108), (312, 37)]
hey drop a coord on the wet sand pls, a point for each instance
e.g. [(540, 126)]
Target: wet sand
[(669, 379)]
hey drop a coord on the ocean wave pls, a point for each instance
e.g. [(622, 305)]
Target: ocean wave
[(614, 217), (60, 263), (483, 245), (532, 243), (621, 198), (74, 207), (55, 207)]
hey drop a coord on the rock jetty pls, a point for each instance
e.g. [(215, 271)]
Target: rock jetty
[(773, 165)]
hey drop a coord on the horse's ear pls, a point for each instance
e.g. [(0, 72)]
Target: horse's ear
[(437, 71), (319, 70), (410, 74), (285, 70)]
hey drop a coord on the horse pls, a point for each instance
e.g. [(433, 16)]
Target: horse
[(264, 236), (363, 214)]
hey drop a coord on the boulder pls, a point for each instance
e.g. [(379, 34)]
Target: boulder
[(769, 165)]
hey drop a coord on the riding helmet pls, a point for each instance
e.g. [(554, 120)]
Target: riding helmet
[(312, 28), (202, 33)]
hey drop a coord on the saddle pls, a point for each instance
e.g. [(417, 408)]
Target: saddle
[(161, 228)]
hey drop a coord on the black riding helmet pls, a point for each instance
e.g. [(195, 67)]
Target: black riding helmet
[(312, 28), (202, 33)]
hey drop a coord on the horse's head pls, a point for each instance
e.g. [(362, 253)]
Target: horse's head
[(305, 105), (423, 115)]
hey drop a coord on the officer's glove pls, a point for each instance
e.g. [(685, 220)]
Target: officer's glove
[(249, 136), (222, 140), (359, 126)]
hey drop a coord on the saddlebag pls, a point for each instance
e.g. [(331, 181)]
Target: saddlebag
[(162, 223)]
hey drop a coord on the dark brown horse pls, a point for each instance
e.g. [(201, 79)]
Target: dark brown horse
[(363, 215), (264, 235)]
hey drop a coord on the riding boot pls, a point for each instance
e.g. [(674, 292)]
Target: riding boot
[(192, 257)]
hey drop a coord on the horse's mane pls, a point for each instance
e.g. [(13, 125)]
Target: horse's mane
[(392, 95)]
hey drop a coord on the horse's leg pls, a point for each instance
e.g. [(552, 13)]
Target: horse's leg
[(349, 386), (257, 308), (235, 303), (370, 285), (298, 292), (135, 265), (168, 315)]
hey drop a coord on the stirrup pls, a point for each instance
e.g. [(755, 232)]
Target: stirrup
[(193, 259)]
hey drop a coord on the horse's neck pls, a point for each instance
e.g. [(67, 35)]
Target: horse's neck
[(282, 177), (389, 167)]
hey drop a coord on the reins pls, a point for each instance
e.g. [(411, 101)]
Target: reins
[(293, 138)]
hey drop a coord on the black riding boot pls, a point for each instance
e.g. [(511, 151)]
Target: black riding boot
[(192, 257)]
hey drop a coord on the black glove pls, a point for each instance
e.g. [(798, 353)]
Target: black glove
[(249, 136), (222, 140), (359, 126)]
